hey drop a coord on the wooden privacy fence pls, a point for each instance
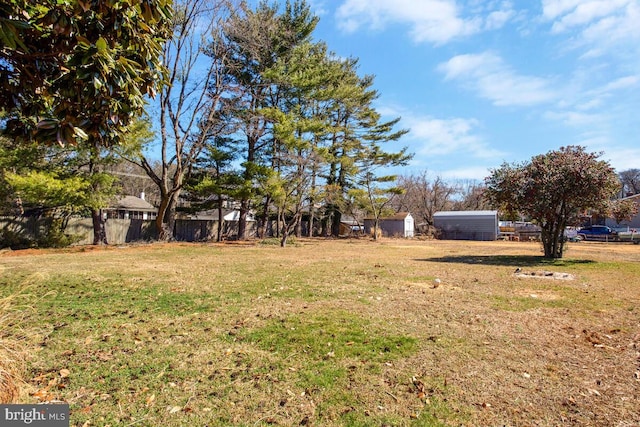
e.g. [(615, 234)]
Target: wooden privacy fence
[(119, 231)]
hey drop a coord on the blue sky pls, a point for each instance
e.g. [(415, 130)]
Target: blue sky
[(482, 82)]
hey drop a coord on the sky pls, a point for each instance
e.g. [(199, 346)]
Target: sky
[(482, 82)]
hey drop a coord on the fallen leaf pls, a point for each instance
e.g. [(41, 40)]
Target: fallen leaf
[(174, 409), (42, 395), (64, 373), (151, 399)]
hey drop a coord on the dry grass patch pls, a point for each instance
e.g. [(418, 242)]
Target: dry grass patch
[(335, 333), (13, 350)]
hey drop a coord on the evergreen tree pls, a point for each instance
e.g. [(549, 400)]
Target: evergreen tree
[(257, 40), (356, 130), (214, 180)]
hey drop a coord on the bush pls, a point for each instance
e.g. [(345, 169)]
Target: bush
[(55, 237), (14, 240)]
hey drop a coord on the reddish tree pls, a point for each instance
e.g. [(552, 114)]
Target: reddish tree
[(552, 190)]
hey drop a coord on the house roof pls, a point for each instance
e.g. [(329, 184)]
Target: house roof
[(133, 203)]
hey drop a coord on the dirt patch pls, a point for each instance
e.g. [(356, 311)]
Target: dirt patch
[(544, 295), (544, 275)]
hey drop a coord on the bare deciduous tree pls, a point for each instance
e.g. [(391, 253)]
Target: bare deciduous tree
[(630, 180), (189, 105), (424, 196), (470, 196)]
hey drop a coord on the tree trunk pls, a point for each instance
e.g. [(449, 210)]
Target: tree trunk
[(552, 242), (288, 228), (336, 219), (165, 220), (242, 220), (99, 231), (312, 213), (299, 229), (220, 219)]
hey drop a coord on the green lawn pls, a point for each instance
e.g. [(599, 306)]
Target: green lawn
[(329, 333)]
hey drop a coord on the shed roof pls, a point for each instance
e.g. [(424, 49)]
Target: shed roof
[(133, 203), (465, 213), (633, 196), (400, 216)]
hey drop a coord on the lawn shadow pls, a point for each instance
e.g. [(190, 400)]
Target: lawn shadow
[(507, 260)]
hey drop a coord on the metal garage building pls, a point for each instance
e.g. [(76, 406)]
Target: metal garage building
[(467, 225)]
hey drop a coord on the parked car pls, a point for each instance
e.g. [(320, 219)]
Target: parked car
[(597, 232)]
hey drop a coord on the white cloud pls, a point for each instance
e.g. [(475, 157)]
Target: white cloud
[(434, 21), (622, 83), (571, 13), (319, 7), (431, 136), (552, 9), (498, 18), (574, 119), (596, 97), (445, 136), (488, 75), (477, 173), (622, 158), (599, 26)]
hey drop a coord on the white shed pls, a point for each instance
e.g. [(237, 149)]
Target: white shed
[(398, 225), (467, 225)]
